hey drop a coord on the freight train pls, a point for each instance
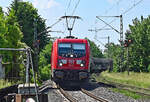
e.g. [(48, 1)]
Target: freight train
[(99, 65), (70, 60)]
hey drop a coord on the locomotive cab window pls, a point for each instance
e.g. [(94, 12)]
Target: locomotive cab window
[(64, 49), (71, 50), (79, 50)]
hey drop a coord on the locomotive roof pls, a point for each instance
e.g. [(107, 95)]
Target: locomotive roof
[(71, 40)]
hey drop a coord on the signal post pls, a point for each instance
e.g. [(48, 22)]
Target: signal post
[(126, 45)]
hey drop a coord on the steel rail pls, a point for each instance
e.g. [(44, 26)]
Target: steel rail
[(125, 85), (93, 96), (68, 96), (128, 88), (65, 94), (43, 87), (71, 99), (137, 92)]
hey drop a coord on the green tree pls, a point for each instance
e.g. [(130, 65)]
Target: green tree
[(31, 23), (114, 51), (3, 29), (44, 62), (139, 58), (26, 15), (11, 36), (95, 51)]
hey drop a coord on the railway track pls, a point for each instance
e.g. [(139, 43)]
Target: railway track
[(46, 85), (100, 99), (134, 89), (64, 93), (68, 95)]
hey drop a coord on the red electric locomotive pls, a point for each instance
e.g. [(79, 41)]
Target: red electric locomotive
[(70, 60)]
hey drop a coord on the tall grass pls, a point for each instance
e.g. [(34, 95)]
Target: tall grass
[(4, 83), (136, 79)]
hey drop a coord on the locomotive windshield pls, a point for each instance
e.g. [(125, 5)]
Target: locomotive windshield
[(71, 50)]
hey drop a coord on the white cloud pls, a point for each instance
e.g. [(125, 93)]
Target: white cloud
[(45, 4)]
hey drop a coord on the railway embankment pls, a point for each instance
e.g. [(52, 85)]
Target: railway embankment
[(135, 85), (97, 90)]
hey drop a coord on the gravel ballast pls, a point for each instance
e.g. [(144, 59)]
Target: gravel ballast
[(99, 90)]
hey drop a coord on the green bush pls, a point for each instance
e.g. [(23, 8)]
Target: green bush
[(45, 63), (45, 72)]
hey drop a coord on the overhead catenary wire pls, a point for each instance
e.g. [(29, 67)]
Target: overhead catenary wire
[(69, 4), (134, 5), (109, 9), (67, 22), (71, 16), (75, 7), (55, 23), (99, 41), (109, 23)]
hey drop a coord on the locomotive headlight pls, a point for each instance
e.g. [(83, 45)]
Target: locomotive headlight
[(82, 65), (71, 55), (60, 64), (81, 62)]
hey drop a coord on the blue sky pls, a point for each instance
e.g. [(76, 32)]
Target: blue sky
[(52, 10)]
